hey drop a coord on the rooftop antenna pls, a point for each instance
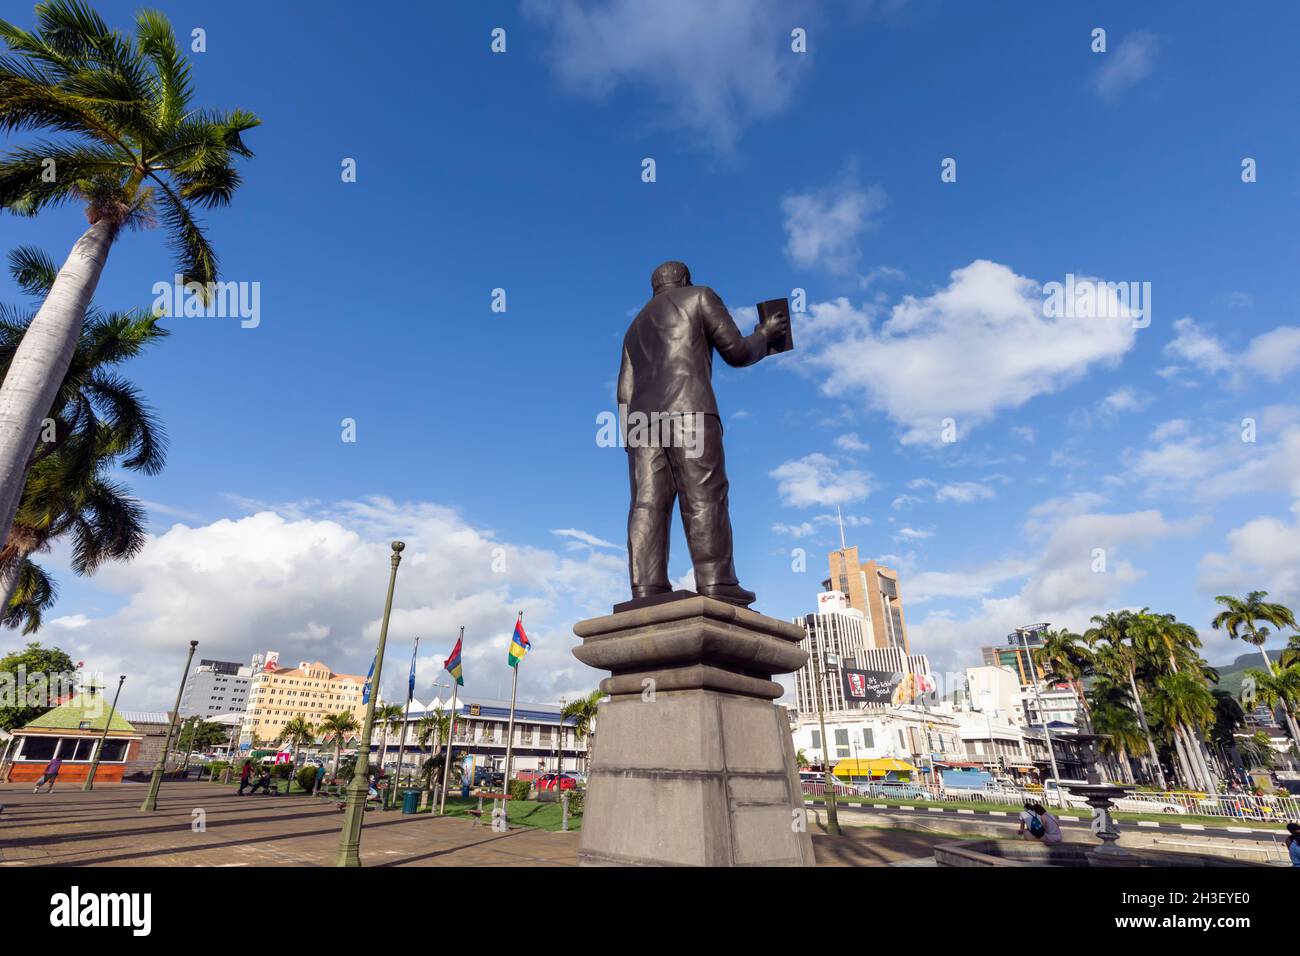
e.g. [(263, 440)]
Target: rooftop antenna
[(840, 514)]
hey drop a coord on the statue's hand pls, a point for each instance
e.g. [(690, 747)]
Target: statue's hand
[(776, 327)]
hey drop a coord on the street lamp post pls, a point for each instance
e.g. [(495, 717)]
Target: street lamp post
[(151, 798), (99, 750), (1024, 633), (355, 808), (832, 817)]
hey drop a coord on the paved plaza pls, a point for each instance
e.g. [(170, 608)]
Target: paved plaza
[(106, 828)]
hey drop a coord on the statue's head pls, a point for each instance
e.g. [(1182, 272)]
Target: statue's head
[(668, 275)]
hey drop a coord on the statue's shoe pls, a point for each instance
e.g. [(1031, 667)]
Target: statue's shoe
[(645, 592), (731, 593)]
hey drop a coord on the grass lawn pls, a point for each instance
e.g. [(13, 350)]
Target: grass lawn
[(525, 813), (1084, 813)]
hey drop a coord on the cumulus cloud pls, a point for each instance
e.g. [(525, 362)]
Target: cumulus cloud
[(975, 348), (823, 226), (818, 479), (1262, 554), (1132, 61), (1062, 583), (710, 68), (312, 587), (1270, 356), (1215, 463)]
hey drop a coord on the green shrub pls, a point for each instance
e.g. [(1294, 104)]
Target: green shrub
[(575, 802), (282, 771), (307, 777), (519, 789)]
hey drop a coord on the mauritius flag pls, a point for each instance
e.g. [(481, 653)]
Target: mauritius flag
[(452, 664), (519, 643)]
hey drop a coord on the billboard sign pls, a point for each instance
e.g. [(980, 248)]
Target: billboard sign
[(884, 687)]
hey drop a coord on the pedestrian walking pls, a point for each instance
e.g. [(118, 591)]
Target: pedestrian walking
[(245, 772), (50, 774), (320, 777)]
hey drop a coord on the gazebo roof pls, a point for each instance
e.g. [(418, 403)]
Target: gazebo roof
[(83, 709)]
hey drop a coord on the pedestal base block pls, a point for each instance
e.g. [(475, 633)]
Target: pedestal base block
[(692, 763)]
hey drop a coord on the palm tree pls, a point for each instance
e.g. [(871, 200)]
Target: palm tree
[(388, 717), (1290, 653), (1183, 704), (1067, 659), (1239, 618), (299, 732), (431, 730), (100, 421), (1256, 751), (132, 149), (1278, 688), (583, 714), (336, 728), (34, 594), (1113, 716), (1119, 658)]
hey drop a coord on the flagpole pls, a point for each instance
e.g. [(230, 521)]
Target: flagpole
[(451, 732), (510, 733), (406, 719)]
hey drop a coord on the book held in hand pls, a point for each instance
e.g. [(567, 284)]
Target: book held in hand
[(777, 307)]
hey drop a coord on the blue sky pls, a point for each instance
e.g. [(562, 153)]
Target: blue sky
[(774, 170)]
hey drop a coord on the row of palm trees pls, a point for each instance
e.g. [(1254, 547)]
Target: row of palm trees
[(1141, 682), (124, 140)]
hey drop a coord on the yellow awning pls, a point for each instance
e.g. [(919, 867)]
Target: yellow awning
[(872, 768)]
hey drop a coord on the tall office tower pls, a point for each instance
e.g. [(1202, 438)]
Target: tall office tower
[(872, 589), (836, 629)]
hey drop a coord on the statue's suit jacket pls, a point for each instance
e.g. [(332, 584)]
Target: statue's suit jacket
[(668, 351)]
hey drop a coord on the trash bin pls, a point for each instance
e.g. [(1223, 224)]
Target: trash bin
[(410, 801)]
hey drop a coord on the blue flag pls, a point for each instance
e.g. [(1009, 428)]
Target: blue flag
[(410, 684), (365, 692)]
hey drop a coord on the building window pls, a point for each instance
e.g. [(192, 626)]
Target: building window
[(868, 738), (841, 743), (817, 740)]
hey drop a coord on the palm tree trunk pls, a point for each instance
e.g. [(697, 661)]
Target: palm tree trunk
[(1180, 761), (1126, 766), (41, 360), (1146, 729), (9, 575)]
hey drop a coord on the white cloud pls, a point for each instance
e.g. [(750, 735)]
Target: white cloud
[(964, 492), (1272, 356), (977, 347), (312, 587), (801, 530), (851, 442), (1060, 584), (823, 226), (1216, 463), (1262, 554), (711, 68), (1132, 61), (818, 479), (579, 537), (912, 534)]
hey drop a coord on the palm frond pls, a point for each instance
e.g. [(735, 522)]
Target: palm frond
[(32, 270)]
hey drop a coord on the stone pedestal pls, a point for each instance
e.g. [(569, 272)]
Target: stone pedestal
[(692, 763)]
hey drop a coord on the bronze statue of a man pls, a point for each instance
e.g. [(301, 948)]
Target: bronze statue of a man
[(666, 376)]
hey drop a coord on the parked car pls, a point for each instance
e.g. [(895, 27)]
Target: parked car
[(892, 790), (547, 782), (1131, 804), (487, 777)]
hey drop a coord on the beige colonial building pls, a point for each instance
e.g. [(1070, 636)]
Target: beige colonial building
[(872, 589), (310, 691)]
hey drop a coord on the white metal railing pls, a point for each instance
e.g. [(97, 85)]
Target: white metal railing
[(1268, 809)]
